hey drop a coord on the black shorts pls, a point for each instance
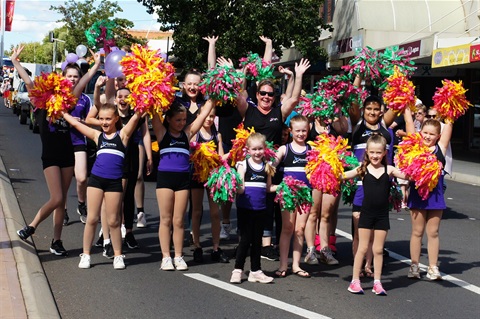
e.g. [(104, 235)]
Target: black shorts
[(80, 148), (368, 221), (356, 208), (106, 184), (60, 162), (175, 181), (195, 184)]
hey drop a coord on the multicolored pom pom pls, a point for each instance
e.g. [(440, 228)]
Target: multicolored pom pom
[(450, 101), (52, 92), (256, 68), (238, 152), (393, 57), (223, 83), (395, 197), (101, 33), (416, 160), (399, 93), (293, 194), (150, 80), (223, 184), (205, 159)]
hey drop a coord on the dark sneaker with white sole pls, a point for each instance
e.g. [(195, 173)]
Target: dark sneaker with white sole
[(82, 211), (56, 248), (130, 241), (26, 232)]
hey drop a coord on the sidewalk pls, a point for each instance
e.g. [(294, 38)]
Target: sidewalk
[(24, 289)]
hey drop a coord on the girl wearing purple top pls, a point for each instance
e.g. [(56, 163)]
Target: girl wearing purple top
[(173, 177), (57, 156), (105, 182)]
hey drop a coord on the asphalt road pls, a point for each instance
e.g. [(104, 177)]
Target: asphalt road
[(144, 291)]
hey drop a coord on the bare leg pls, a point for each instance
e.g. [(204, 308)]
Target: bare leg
[(300, 221), (378, 244), (311, 225), (197, 199), (288, 225), (95, 196), (181, 200), (165, 200), (433, 224), (418, 218)]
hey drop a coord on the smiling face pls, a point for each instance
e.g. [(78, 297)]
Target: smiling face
[(376, 152), (372, 112), (177, 122), (430, 132), (299, 129), (108, 118), (72, 75), (120, 82), (265, 96), (190, 85), (120, 97), (256, 150), (209, 120)]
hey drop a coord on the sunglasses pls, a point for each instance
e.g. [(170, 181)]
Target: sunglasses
[(420, 113), (263, 93), (428, 116)]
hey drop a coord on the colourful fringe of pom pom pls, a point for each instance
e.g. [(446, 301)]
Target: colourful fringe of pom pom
[(326, 162), (293, 194), (101, 32), (415, 159), (223, 183), (223, 83), (238, 151), (450, 101), (52, 92), (257, 68), (393, 57), (150, 80), (399, 93), (349, 186), (204, 158)]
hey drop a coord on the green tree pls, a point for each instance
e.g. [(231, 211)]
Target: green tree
[(79, 16), (239, 23)]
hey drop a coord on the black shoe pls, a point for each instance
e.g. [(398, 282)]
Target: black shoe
[(82, 211), (26, 232), (65, 219), (57, 248), (385, 253), (99, 242), (219, 256), (270, 253), (198, 255), (130, 241), (108, 251)]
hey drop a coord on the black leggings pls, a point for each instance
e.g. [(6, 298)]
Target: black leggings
[(250, 224), (130, 172)]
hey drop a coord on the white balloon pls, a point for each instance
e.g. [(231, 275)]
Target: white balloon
[(81, 50)]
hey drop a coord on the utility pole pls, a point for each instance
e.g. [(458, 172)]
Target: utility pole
[(54, 41), (3, 14)]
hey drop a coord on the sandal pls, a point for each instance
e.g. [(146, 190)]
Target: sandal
[(367, 273), (280, 273), (302, 273)]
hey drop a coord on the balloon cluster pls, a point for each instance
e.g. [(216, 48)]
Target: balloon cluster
[(293, 194), (450, 101), (415, 160), (256, 68), (53, 93), (222, 83), (150, 80)]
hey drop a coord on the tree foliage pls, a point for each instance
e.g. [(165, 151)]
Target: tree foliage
[(238, 23), (79, 16)]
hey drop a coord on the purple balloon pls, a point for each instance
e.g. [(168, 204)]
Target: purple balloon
[(114, 49), (163, 56), (63, 65), (113, 69), (72, 58), (101, 51)]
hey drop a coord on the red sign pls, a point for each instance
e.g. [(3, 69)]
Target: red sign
[(10, 7), (412, 47), (475, 53)]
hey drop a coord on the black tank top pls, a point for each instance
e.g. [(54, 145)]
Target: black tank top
[(376, 193)]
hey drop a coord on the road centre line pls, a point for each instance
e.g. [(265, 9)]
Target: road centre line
[(403, 259), (257, 297)]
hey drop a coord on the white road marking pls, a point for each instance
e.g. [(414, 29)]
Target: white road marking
[(257, 297), (423, 267)]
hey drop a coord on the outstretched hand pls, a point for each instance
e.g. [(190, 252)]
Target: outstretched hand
[(221, 61), (211, 39), (286, 71), (265, 39), (16, 52), (302, 66)]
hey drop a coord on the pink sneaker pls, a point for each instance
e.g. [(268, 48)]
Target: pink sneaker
[(378, 289), (355, 287)]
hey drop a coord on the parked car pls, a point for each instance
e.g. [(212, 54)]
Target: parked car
[(21, 103)]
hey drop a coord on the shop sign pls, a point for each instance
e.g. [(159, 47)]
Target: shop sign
[(456, 55), (412, 47), (345, 45), (475, 53)]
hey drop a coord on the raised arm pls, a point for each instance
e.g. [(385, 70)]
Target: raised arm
[(147, 143), (445, 136), (193, 128), (158, 127), (409, 124), (21, 71), (354, 112), (389, 117), (267, 55), (340, 125), (127, 131), (88, 76), (101, 80), (212, 55), (82, 128), (289, 104), (291, 80)]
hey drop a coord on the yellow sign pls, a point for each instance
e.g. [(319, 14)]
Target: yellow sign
[(456, 55)]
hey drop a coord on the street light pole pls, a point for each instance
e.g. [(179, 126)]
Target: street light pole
[(3, 14)]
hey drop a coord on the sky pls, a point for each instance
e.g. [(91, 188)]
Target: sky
[(33, 20)]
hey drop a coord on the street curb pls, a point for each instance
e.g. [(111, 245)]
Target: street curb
[(464, 178), (37, 295)]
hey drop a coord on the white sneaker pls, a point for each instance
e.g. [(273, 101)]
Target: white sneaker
[(180, 264), (84, 261), (118, 262), (123, 230), (236, 276), (259, 276), (167, 264), (225, 231), (311, 257), (414, 271), (141, 220), (433, 273)]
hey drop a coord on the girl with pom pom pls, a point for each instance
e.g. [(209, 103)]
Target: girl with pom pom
[(206, 133), (105, 182), (57, 155), (374, 220), (173, 177), (323, 215), (293, 157), (256, 175), (427, 214)]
